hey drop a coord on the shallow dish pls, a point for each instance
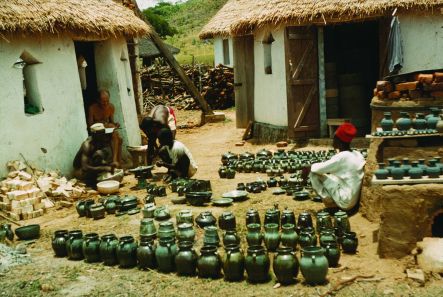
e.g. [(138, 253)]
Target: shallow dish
[(108, 187), (316, 199), (279, 192), (222, 201), (198, 198), (302, 195), (236, 195), (28, 232)]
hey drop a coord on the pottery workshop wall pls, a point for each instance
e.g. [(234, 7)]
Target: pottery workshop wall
[(270, 98), (422, 42), (114, 74), (219, 51), (61, 126)]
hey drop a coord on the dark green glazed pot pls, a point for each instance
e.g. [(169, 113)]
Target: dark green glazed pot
[(272, 236), (342, 221), (433, 170), (415, 172), (381, 172), (307, 238), (211, 236), (252, 217), (289, 237), (233, 263), (209, 263), (74, 245), (327, 235), (127, 252), (147, 228), (397, 172), (146, 254), (350, 243), (285, 265), (324, 221), (58, 243), (185, 232), (230, 237), (332, 252), (257, 264), (108, 249), (165, 254), (254, 235), (186, 259), (91, 247), (314, 265)]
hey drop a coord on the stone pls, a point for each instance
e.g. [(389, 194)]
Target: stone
[(430, 254), (66, 203), (216, 117), (416, 275), (21, 249), (406, 86), (282, 144), (241, 143)]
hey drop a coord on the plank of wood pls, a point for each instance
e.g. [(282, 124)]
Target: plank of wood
[(248, 130), (407, 181), (404, 136)]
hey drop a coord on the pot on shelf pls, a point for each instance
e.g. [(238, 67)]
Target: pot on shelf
[(404, 122), (381, 172), (387, 123)]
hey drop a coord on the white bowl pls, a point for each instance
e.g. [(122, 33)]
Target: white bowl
[(108, 187)]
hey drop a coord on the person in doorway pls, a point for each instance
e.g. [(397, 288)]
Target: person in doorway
[(175, 156), (160, 117), (338, 180), (103, 112), (93, 158)]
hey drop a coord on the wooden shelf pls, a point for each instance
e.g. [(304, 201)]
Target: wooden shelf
[(407, 181), (404, 136)]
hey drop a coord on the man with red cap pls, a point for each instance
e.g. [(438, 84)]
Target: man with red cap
[(338, 180)]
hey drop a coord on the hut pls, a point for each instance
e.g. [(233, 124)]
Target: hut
[(301, 64), (54, 57), (148, 51)]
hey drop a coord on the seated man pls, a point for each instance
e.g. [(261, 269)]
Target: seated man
[(90, 161), (160, 117), (103, 112), (175, 156), (338, 180)]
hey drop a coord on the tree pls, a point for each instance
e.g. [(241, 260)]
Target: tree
[(159, 23)]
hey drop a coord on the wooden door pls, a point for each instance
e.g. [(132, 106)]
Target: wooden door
[(302, 82), (244, 79)]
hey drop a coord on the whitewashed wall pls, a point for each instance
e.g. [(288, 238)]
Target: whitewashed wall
[(218, 52), (422, 42), (61, 128), (270, 97), (115, 75)]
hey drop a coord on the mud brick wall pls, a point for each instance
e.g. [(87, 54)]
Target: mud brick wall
[(407, 216)]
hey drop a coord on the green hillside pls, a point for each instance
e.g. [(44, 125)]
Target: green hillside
[(186, 20)]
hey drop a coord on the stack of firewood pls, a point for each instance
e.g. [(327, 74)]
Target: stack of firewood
[(162, 86), (420, 85)]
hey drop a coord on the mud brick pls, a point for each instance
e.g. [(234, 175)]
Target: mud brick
[(40, 212), (381, 95), (27, 208), (415, 94), (25, 216), (17, 211), (3, 205), (39, 206), (13, 184), (32, 193), (15, 204), (25, 185), (66, 203), (437, 94), (25, 176), (394, 95), (424, 78), (14, 216), (407, 86), (438, 76), (384, 85), (437, 86)]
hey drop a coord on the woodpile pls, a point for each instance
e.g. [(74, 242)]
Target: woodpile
[(162, 86), (26, 193), (414, 86)]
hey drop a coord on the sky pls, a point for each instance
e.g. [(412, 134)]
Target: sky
[(143, 4)]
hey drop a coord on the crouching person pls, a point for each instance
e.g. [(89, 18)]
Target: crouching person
[(94, 156), (338, 180), (175, 156)]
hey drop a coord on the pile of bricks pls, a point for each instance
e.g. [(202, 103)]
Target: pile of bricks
[(20, 198), (422, 85)]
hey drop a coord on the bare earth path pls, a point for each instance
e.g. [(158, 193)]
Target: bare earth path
[(49, 276)]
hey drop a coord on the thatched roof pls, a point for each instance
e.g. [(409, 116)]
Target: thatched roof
[(85, 18), (147, 49), (239, 17)]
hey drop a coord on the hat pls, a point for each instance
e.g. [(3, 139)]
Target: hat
[(346, 132), (100, 128)]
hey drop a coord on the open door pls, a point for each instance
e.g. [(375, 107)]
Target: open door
[(244, 79), (302, 82)]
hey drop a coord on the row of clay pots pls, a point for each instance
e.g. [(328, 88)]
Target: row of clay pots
[(415, 170), (420, 122)]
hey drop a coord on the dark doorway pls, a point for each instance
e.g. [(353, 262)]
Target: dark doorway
[(351, 70), (86, 50), (437, 226)]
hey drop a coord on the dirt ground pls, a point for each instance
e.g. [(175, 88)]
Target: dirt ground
[(49, 276)]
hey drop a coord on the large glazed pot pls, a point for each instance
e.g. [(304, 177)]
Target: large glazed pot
[(166, 230), (185, 232), (233, 263), (186, 259), (58, 243), (327, 235), (433, 118), (211, 236), (227, 221), (404, 122), (307, 237), (231, 238), (209, 263), (257, 264), (381, 172), (332, 252), (252, 217), (74, 245), (205, 218), (165, 255), (387, 123), (88, 204), (342, 221), (272, 216), (419, 123), (127, 252), (433, 170), (285, 265), (415, 172), (439, 125), (287, 217), (304, 220), (184, 216), (314, 265), (91, 247), (272, 236), (80, 207), (97, 211), (254, 235), (350, 243), (108, 249), (147, 228), (146, 254), (397, 172), (324, 221), (289, 237)]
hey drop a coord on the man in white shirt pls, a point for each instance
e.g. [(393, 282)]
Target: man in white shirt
[(338, 180), (175, 156)]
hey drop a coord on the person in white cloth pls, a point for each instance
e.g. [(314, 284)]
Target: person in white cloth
[(175, 156), (338, 180)]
